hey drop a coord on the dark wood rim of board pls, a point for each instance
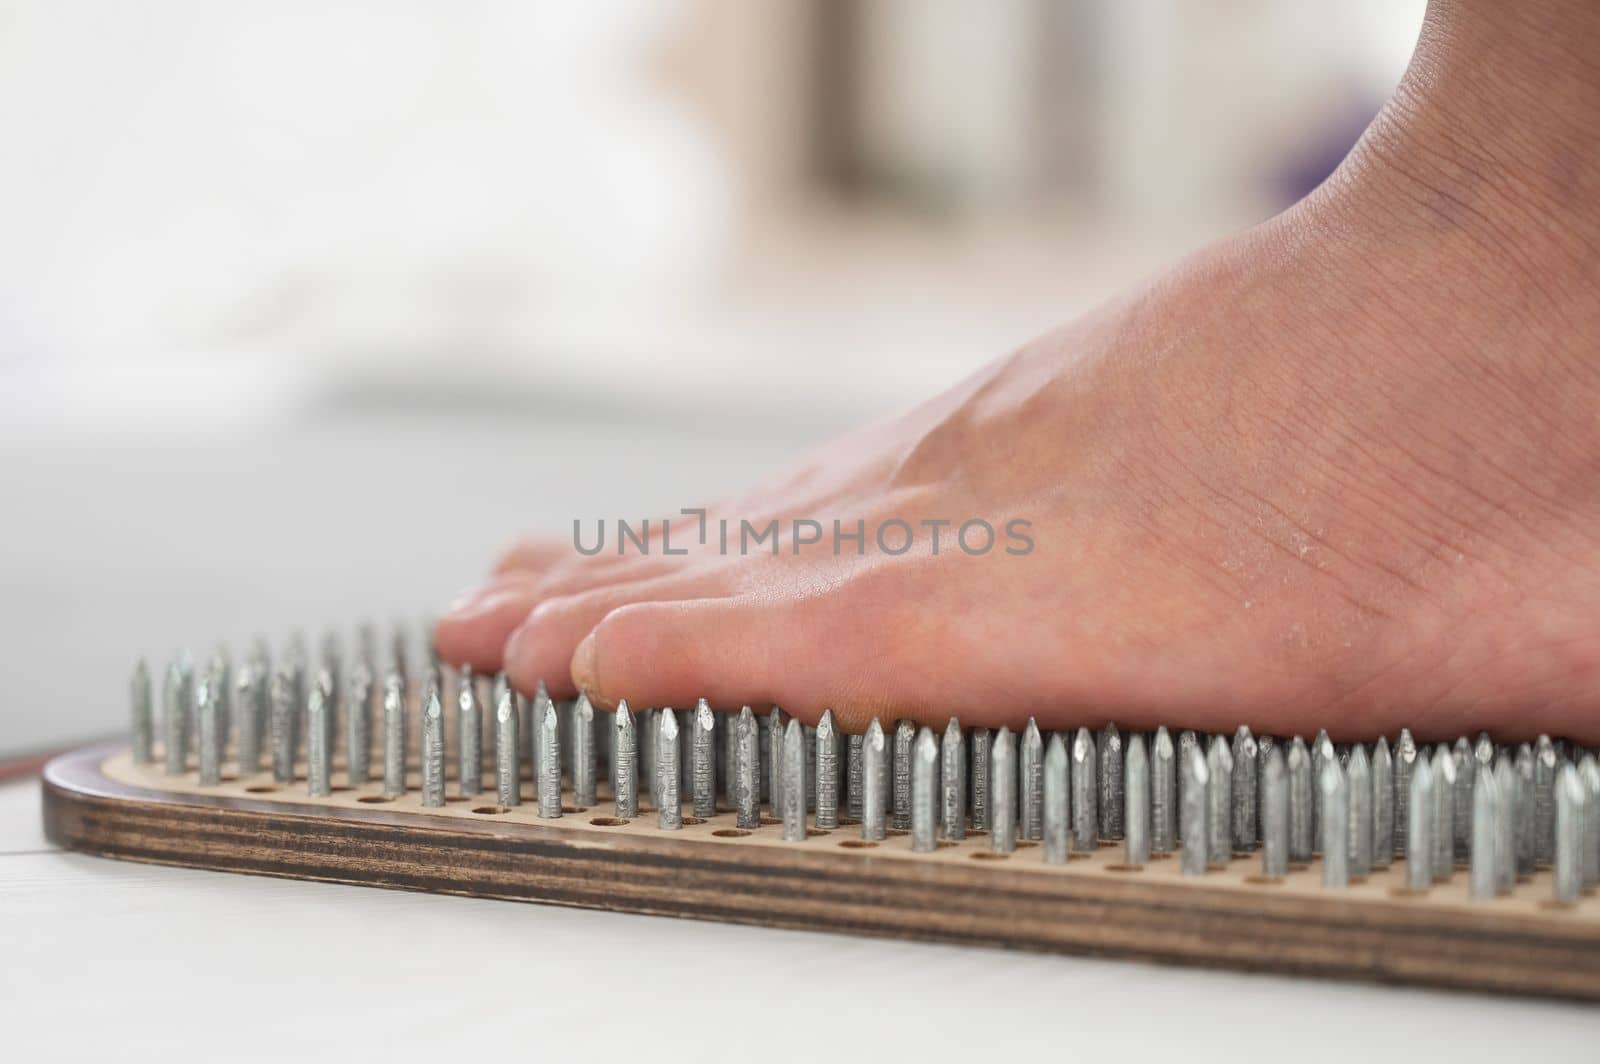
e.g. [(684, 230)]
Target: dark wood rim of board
[(1128, 917)]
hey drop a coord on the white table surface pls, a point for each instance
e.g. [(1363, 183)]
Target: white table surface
[(128, 549)]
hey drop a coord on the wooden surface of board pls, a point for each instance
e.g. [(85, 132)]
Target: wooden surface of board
[(98, 801)]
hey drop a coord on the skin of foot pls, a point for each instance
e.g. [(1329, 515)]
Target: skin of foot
[(1341, 471)]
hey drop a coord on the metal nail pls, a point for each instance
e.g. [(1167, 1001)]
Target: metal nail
[(1187, 740), (357, 723), (1030, 761), (905, 733), (982, 739), (209, 714), (827, 772), (142, 712), (625, 762), (1420, 847), (747, 770), (953, 781), (507, 745), (686, 736), (1335, 790), (332, 652), (702, 763), (294, 665), (285, 726), (1589, 776), (1056, 813), (1163, 794), (1466, 776), (398, 658), (1321, 751), (394, 732), (1274, 816), (585, 778), (319, 753), (1302, 806), (1505, 824), (1219, 802), (1003, 792), (1524, 830), (432, 748), (764, 765), (1085, 792), (547, 770), (330, 673), (1405, 757), (222, 670), (1243, 814), (1194, 783), (1136, 803), (538, 705), (1443, 764), (1358, 786), (1382, 804), (809, 773), (1265, 744), (469, 734), (853, 758), (1570, 802), (925, 793), (252, 696), (874, 783), (669, 776), (1544, 808), (777, 719), (1483, 750), (1110, 804), (792, 781)]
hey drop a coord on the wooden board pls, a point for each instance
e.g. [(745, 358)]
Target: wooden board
[(98, 801)]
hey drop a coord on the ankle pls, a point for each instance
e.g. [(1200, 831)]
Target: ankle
[(1493, 129)]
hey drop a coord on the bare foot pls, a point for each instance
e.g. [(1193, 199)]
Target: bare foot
[(1342, 470)]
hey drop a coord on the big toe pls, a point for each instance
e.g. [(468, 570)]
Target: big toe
[(540, 649), (672, 653), (803, 653)]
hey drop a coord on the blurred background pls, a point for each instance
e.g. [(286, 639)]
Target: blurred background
[(307, 308)]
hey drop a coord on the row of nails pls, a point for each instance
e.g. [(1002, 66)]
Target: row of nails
[(1503, 811)]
